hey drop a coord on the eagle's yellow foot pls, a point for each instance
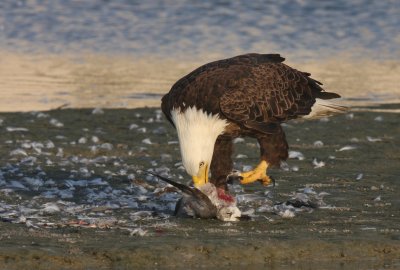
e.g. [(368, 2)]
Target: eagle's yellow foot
[(258, 174)]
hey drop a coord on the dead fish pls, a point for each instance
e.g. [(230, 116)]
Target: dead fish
[(206, 202)]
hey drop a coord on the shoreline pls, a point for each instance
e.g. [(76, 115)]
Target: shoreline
[(48, 81)]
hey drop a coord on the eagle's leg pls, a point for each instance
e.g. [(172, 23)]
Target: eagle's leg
[(273, 149), (221, 164)]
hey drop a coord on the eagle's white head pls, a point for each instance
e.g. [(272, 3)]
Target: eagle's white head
[(197, 133)]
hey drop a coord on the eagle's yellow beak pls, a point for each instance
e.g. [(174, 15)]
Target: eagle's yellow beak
[(202, 177)]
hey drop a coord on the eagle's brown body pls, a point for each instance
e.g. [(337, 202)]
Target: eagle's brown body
[(254, 93)]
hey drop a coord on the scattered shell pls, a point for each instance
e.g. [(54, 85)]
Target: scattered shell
[(371, 139), (296, 154), (284, 166), (82, 140), (354, 140), (97, 111), (166, 158), (378, 199), (324, 119), (160, 131), (347, 148), (147, 141), (15, 129), (95, 139), (318, 164), (107, 146), (56, 123), (133, 126), (18, 152), (51, 208), (238, 140), (318, 144), (138, 232)]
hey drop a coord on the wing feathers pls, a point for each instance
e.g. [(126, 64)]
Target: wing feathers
[(250, 90), (323, 108)]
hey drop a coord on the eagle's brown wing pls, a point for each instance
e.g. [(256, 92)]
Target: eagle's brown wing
[(273, 93), (204, 86)]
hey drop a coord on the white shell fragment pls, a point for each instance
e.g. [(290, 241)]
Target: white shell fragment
[(147, 141), (97, 111), (16, 129), (347, 148), (318, 144), (318, 164), (56, 123), (133, 126), (296, 155), (372, 139), (238, 140), (18, 152)]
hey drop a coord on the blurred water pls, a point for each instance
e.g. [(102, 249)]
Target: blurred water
[(175, 28)]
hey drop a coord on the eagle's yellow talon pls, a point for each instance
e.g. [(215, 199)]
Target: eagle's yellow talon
[(267, 180), (258, 174)]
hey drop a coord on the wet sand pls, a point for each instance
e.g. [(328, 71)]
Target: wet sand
[(48, 81), (79, 209)]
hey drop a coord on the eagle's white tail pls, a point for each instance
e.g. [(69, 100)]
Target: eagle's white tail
[(324, 108)]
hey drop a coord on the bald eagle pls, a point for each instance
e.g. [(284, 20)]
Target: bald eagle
[(247, 95)]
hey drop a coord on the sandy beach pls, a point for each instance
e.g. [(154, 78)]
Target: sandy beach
[(48, 81)]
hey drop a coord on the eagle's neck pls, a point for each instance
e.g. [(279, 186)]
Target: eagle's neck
[(197, 133)]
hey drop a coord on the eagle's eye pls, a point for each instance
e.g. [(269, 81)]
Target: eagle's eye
[(201, 164)]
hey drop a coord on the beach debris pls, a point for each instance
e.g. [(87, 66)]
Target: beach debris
[(238, 140), (318, 164), (56, 123), (147, 141), (50, 208), (359, 176), (82, 140), (324, 119), (16, 129), (137, 232), (347, 148), (354, 140), (18, 152), (378, 199), (166, 158), (95, 139), (296, 155), (318, 144), (97, 111), (133, 126), (107, 146), (372, 139)]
